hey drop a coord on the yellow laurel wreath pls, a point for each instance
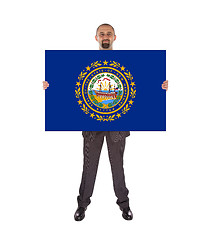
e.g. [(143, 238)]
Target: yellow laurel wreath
[(111, 118), (78, 93), (85, 109), (115, 64), (129, 76), (126, 109), (99, 118), (82, 75), (133, 93), (102, 118), (95, 64)]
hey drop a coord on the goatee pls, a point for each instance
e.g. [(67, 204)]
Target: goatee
[(105, 45)]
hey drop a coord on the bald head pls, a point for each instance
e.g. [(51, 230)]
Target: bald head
[(105, 24), (105, 36)]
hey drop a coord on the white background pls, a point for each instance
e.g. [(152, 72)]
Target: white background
[(167, 173)]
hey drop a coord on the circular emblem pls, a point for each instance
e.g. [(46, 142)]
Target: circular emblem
[(105, 90)]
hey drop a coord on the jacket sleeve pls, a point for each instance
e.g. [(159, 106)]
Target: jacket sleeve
[(125, 134)]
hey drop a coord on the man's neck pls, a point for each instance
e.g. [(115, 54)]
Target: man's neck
[(106, 49)]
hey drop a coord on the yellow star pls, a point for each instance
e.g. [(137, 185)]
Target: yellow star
[(79, 101), (78, 84), (122, 68), (118, 115), (132, 84), (92, 115), (105, 63), (88, 68), (131, 102)]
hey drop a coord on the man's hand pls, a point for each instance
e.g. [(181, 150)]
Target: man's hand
[(165, 85), (45, 85)]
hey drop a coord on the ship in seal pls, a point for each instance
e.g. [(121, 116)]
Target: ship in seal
[(106, 95)]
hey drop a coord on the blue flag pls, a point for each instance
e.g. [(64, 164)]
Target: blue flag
[(93, 90)]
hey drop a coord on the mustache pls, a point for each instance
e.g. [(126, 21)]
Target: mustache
[(106, 40)]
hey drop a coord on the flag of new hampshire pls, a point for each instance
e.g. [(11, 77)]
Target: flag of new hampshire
[(93, 90)]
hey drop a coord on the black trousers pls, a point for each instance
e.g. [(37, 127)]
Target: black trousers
[(92, 150)]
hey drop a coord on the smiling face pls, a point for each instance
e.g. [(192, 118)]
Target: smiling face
[(105, 37)]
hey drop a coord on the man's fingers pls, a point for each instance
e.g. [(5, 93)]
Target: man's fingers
[(45, 85), (165, 86)]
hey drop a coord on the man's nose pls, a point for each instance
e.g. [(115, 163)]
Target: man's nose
[(105, 36)]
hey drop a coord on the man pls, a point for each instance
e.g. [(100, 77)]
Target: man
[(93, 142)]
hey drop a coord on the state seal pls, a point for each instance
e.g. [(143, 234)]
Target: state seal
[(105, 90)]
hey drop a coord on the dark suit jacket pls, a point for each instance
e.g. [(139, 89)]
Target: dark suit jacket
[(115, 135)]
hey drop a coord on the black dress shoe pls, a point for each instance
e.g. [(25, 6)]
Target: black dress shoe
[(80, 213), (127, 213)]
